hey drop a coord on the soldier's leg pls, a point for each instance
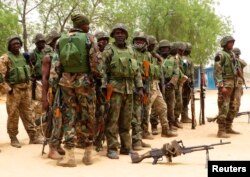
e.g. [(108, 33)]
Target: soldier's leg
[(170, 101), (112, 125), (86, 96), (178, 106), (69, 117), (233, 109), (161, 110), (136, 123), (124, 123), (223, 105), (154, 121), (186, 95), (12, 104)]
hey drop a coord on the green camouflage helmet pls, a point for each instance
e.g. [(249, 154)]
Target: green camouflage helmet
[(101, 35), (164, 43), (181, 45), (38, 37), (11, 39), (225, 40), (52, 36), (119, 26), (140, 35), (188, 46), (236, 51), (152, 40)]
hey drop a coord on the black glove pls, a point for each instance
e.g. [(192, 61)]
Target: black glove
[(169, 86)]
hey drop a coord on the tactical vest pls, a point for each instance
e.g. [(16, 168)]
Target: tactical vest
[(38, 65), (155, 69), (169, 67), (227, 66), (73, 53), (19, 71), (123, 63), (186, 66)]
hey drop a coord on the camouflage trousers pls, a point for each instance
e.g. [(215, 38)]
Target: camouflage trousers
[(78, 111), (136, 119), (18, 104), (158, 105), (186, 96), (119, 121), (170, 101), (228, 105), (178, 102)]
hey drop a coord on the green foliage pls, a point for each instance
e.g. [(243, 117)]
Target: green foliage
[(8, 25)]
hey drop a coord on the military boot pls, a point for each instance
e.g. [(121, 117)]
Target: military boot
[(172, 127), (14, 142), (68, 160), (147, 135), (60, 150), (154, 129), (166, 132), (53, 154), (177, 124), (36, 140), (143, 144), (137, 146), (222, 131), (88, 156), (185, 118), (229, 130)]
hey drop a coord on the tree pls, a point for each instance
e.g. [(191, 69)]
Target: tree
[(8, 24)]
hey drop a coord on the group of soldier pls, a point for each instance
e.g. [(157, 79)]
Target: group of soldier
[(103, 89)]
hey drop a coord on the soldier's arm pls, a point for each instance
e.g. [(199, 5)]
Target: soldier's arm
[(218, 69), (4, 62), (242, 62), (46, 64), (176, 73), (106, 59)]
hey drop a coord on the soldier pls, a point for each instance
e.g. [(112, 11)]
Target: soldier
[(170, 70), (77, 88), (16, 73), (226, 71), (102, 41), (156, 98), (50, 80), (123, 76), (142, 56), (188, 69), (240, 79), (35, 60), (179, 87)]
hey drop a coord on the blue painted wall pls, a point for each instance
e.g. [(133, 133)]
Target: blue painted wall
[(209, 76)]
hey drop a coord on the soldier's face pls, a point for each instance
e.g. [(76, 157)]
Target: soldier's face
[(40, 45), (85, 28), (15, 46), (120, 36), (151, 47), (230, 45), (139, 41), (102, 43)]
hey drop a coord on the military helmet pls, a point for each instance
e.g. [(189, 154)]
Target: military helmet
[(236, 51), (225, 40), (151, 40), (140, 35), (188, 46), (119, 26), (164, 43), (38, 37), (53, 35), (101, 35), (180, 45), (11, 39)]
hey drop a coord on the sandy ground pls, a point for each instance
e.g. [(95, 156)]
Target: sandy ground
[(28, 162)]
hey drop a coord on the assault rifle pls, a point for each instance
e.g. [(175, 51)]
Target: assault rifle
[(213, 119), (202, 96), (173, 149)]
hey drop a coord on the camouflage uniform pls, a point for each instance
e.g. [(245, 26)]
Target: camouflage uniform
[(226, 78), (122, 72), (188, 69), (15, 72)]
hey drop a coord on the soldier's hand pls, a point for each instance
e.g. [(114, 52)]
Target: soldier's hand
[(224, 91)]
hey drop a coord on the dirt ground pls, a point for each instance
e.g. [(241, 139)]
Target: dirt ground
[(28, 162)]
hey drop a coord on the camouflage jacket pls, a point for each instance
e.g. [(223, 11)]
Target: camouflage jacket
[(122, 85), (187, 67)]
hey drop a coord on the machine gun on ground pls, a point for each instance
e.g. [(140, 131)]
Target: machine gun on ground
[(173, 149), (213, 119)]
